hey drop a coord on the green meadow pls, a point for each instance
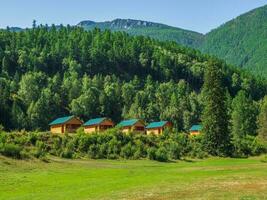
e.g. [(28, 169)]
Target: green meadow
[(61, 179)]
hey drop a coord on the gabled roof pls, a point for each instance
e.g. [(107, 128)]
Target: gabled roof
[(196, 127), (61, 120), (129, 122), (157, 124), (95, 121)]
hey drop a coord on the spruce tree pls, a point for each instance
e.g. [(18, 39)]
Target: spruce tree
[(216, 136)]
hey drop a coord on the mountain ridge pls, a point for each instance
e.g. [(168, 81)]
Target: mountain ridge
[(152, 29), (240, 41)]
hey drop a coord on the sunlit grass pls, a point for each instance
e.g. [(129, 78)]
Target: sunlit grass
[(214, 178)]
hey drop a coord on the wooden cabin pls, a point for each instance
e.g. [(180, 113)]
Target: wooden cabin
[(157, 128), (195, 130), (132, 125), (67, 124), (97, 125)]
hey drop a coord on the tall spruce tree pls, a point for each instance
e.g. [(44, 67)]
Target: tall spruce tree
[(216, 136)]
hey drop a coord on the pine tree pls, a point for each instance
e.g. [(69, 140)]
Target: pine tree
[(216, 136)]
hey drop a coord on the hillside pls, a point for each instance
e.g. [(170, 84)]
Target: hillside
[(51, 72), (241, 41), (151, 29)]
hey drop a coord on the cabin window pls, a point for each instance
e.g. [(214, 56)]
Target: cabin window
[(72, 126), (104, 127), (139, 128)]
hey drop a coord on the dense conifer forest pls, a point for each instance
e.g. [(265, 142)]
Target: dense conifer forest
[(48, 72), (241, 41)]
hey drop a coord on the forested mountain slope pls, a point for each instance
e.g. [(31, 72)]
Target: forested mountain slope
[(242, 41), (155, 30), (52, 72)]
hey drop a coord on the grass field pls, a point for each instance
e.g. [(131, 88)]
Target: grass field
[(60, 179)]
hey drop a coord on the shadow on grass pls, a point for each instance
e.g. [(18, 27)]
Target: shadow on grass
[(188, 160)]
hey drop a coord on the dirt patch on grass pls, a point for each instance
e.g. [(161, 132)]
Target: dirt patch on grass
[(209, 189)]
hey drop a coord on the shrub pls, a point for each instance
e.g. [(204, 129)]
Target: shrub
[(33, 137), (114, 147), (127, 151), (84, 142), (56, 147), (196, 149), (103, 151), (3, 137), (151, 152), (80, 130), (174, 150), (66, 153), (12, 150), (161, 154), (248, 146), (41, 151), (93, 151)]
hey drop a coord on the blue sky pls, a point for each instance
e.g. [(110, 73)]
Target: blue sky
[(197, 15)]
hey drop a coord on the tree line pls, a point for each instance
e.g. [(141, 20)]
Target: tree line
[(48, 72)]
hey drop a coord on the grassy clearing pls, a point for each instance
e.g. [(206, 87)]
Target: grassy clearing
[(213, 178)]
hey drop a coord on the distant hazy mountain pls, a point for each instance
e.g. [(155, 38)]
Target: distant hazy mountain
[(241, 41), (151, 29)]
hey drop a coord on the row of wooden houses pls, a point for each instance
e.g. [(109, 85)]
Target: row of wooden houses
[(70, 124)]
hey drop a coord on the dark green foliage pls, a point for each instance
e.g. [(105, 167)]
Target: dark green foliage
[(216, 134), (196, 149), (62, 71), (161, 154), (249, 145), (11, 150), (48, 73), (114, 145), (243, 120), (262, 120), (151, 152)]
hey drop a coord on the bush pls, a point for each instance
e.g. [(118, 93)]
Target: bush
[(33, 137), (11, 150), (127, 151), (196, 149), (151, 152), (174, 150), (162, 154), (3, 137), (66, 153), (41, 151), (93, 151), (248, 146)]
